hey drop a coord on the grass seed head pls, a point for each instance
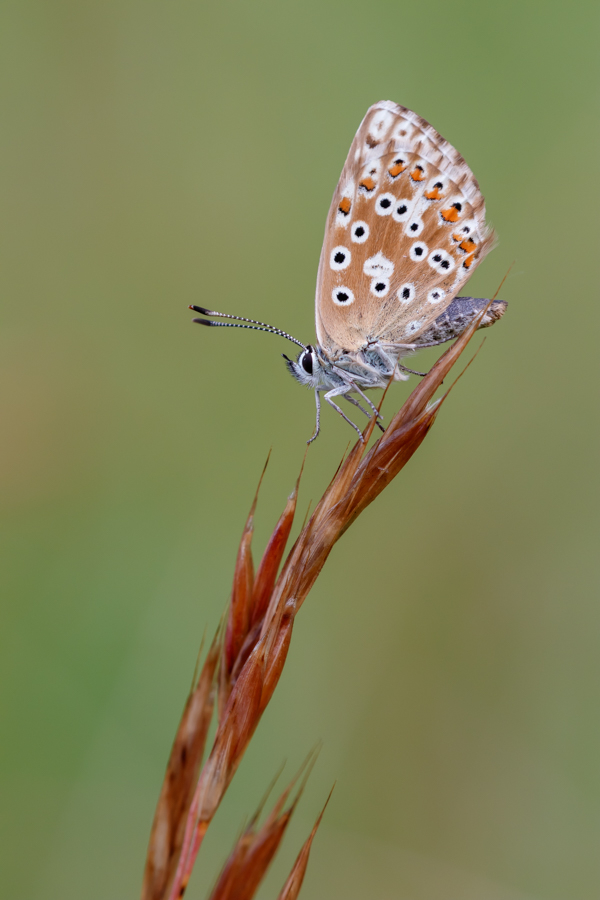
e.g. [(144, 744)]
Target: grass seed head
[(257, 636)]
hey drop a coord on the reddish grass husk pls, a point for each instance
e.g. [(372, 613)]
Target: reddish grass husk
[(180, 780), (253, 648), (292, 886), (255, 849)]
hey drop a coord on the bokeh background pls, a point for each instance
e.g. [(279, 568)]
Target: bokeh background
[(157, 154)]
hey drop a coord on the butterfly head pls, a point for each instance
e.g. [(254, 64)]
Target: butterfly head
[(306, 368)]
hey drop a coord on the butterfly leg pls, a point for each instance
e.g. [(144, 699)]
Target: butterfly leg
[(336, 393), (362, 409), (318, 424), (354, 387), (357, 404), (412, 371), (376, 412)]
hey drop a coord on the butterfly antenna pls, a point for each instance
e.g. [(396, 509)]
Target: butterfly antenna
[(255, 326)]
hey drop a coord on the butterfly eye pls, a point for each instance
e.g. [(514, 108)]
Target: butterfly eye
[(418, 251), (307, 363), (360, 232), (342, 296), (385, 204), (436, 295), (400, 213), (340, 259), (406, 293)]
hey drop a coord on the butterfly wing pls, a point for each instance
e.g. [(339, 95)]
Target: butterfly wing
[(405, 230)]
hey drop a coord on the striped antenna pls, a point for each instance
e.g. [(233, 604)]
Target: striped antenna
[(255, 326)]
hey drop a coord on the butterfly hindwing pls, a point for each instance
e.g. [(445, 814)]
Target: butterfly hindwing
[(405, 230)]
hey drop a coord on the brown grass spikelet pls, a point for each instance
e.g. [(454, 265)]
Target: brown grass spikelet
[(255, 849), (240, 604), (180, 779), (293, 883), (271, 560), (251, 651)]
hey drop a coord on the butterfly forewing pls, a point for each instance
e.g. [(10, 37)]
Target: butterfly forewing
[(405, 230)]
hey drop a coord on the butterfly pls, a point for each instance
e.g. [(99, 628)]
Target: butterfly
[(405, 230)]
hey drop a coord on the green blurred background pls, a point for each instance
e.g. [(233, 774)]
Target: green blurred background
[(161, 153)]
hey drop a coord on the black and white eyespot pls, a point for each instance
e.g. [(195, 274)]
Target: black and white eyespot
[(360, 232), (414, 326), (401, 210), (436, 295), (414, 227), (441, 261), (378, 265), (369, 180), (384, 204), (418, 251), (342, 296), (406, 293), (380, 286), (398, 166), (464, 230), (340, 258), (342, 215), (418, 172), (453, 210), (436, 187)]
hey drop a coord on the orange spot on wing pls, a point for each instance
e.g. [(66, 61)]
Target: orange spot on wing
[(367, 183), (457, 237), (418, 174), (468, 261), (397, 168), (468, 245), (345, 205), (433, 194), (450, 215)]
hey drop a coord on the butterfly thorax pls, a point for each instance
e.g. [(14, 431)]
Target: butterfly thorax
[(370, 367)]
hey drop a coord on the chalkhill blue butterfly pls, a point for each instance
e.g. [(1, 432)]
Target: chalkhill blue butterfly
[(405, 230)]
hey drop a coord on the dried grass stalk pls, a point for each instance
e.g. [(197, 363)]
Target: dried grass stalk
[(254, 647)]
